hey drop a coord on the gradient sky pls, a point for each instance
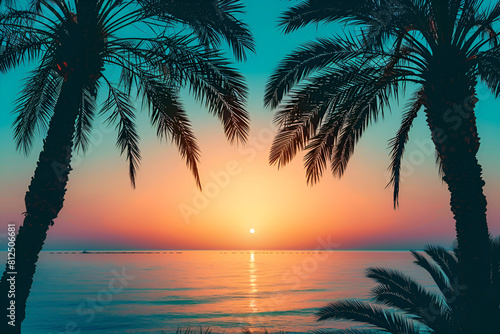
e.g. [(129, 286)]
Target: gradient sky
[(241, 191)]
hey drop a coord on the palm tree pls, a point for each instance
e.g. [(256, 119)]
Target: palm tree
[(158, 47), (329, 90), (403, 305)]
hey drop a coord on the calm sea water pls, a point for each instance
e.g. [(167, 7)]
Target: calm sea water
[(228, 291)]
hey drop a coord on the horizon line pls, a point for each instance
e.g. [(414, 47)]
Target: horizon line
[(229, 250)]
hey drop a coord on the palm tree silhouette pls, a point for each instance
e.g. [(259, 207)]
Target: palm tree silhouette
[(158, 47), (403, 305), (329, 90)]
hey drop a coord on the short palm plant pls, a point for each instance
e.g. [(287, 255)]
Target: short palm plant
[(157, 47), (330, 90), (403, 305)]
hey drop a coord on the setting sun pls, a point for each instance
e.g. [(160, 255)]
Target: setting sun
[(252, 230)]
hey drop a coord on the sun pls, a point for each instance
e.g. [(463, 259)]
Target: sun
[(252, 230)]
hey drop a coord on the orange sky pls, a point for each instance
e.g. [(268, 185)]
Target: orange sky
[(241, 191), (102, 211)]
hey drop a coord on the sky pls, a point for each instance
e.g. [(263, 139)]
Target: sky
[(241, 191)]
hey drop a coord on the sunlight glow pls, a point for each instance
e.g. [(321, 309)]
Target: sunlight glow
[(252, 230)]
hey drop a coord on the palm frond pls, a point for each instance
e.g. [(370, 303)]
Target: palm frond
[(7, 2), (488, 68), (85, 118), (400, 295), (482, 21), (211, 21), (368, 313), (190, 330), (166, 112), (122, 115), (398, 143), (35, 106), (298, 119), (333, 91), (436, 273), (126, 77), (446, 261), (210, 79), (222, 91), (365, 106), (324, 11), (304, 61), (236, 33), (321, 147), (18, 49), (170, 119), (290, 140), (399, 290)]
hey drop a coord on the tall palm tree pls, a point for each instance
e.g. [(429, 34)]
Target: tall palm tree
[(403, 305), (329, 90), (158, 47)]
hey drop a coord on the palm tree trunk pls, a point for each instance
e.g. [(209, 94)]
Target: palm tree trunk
[(44, 199), (450, 116)]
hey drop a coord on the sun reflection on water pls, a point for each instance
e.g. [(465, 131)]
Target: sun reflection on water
[(253, 283)]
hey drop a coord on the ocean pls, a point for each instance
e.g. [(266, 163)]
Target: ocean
[(228, 291)]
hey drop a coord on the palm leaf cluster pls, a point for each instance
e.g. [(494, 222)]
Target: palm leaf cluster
[(190, 330), (403, 305), (157, 47), (329, 90)]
